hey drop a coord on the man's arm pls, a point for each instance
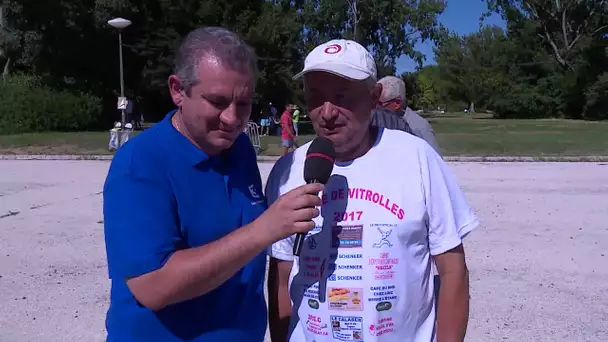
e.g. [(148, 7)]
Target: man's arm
[(453, 307), (450, 220), (287, 125), (193, 272), (143, 246), (279, 302), (427, 133), (421, 128)]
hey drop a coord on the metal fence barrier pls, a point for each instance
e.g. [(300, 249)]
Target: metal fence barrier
[(253, 132)]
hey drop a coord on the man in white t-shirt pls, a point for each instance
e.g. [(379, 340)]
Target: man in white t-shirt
[(364, 273)]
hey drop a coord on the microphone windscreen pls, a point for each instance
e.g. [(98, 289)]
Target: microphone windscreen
[(319, 161)]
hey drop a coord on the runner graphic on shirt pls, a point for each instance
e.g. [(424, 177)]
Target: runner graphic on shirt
[(384, 239), (312, 243)]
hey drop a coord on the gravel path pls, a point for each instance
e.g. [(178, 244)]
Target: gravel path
[(538, 263)]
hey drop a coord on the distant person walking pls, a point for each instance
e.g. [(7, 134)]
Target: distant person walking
[(264, 122), (296, 119), (274, 119), (288, 137), (393, 98)]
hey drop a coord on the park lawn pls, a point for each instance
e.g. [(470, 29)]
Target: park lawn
[(55, 143), (537, 138), (457, 135)]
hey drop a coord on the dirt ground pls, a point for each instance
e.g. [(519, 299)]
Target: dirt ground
[(538, 263)]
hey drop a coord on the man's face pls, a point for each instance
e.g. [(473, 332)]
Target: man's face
[(393, 105), (340, 109), (216, 110)]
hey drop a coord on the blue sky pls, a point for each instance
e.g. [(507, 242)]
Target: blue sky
[(461, 16)]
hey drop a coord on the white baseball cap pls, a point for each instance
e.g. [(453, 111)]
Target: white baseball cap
[(344, 58)]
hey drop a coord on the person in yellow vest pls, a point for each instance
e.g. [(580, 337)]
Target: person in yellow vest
[(296, 118)]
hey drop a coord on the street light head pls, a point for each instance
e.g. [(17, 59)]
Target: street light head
[(119, 23)]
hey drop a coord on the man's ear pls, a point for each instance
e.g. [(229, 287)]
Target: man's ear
[(176, 90)]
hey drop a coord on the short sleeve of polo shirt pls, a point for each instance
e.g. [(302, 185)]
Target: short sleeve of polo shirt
[(140, 221), (282, 249), (450, 218)]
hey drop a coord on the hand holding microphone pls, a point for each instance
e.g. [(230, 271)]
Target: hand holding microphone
[(293, 212), (318, 165)]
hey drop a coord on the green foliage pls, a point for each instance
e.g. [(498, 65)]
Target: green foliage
[(596, 106), (430, 87), (536, 68), (557, 54), (549, 61), (470, 65), (69, 44), (27, 105)]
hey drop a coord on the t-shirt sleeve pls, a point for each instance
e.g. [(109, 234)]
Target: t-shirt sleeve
[(140, 224), (450, 218), (282, 249), (428, 134)]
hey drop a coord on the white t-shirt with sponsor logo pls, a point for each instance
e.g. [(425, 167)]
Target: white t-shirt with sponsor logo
[(364, 273)]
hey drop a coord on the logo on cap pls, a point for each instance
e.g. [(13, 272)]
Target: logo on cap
[(332, 49)]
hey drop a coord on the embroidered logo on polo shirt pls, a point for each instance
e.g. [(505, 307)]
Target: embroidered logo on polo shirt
[(255, 195), (254, 192)]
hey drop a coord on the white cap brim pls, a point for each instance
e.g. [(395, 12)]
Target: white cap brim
[(338, 69)]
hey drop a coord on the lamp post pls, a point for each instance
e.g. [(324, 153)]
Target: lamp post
[(120, 24)]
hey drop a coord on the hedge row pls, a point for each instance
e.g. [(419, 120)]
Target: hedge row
[(27, 105)]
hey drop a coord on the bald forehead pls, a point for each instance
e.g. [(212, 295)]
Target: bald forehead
[(392, 88)]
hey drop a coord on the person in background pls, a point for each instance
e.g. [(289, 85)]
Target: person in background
[(129, 111), (384, 118), (288, 137), (393, 98), (275, 126), (188, 263), (273, 110), (296, 119), (391, 206), (264, 122)]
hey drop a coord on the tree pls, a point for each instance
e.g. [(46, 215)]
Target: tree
[(470, 64), (3, 54), (158, 27), (388, 28), (574, 33), (412, 90), (562, 25), (429, 83)]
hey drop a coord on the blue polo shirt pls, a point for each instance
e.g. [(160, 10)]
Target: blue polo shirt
[(163, 194)]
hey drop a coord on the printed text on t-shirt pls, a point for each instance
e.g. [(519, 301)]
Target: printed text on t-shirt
[(366, 195)]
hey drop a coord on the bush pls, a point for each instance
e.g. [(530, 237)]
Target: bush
[(27, 105), (596, 106)]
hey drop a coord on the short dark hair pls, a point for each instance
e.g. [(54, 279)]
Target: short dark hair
[(232, 51)]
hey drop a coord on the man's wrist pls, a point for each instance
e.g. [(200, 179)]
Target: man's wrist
[(262, 232)]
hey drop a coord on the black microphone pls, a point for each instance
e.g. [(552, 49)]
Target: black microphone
[(318, 166)]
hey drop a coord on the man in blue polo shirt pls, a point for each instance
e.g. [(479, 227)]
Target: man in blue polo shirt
[(187, 263)]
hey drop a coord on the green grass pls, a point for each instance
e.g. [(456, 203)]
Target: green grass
[(55, 143), (551, 137), (457, 135)]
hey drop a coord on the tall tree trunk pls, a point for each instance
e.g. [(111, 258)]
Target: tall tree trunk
[(7, 67), (354, 19), (472, 107)]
